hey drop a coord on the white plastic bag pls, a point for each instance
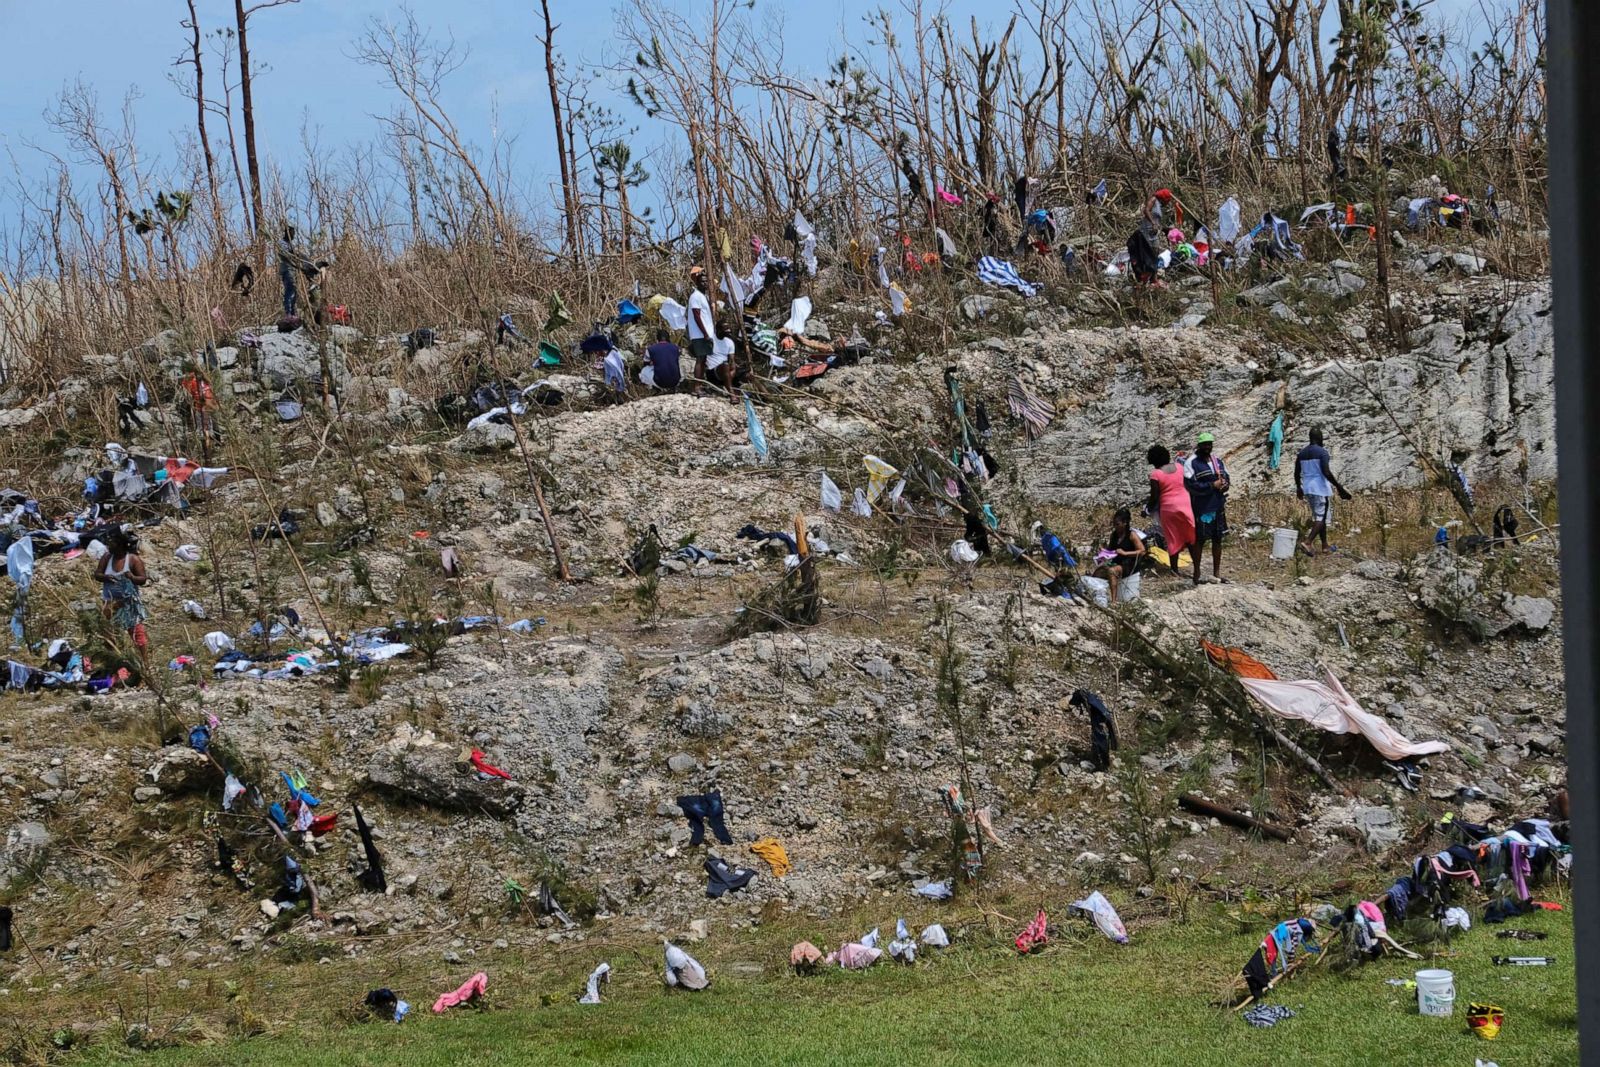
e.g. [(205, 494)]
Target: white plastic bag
[(962, 552), (1228, 220), (1099, 590), (934, 936), (861, 506), (674, 314), (1105, 916), (902, 949), (799, 312), (832, 499), (683, 969), (599, 974), (218, 642)]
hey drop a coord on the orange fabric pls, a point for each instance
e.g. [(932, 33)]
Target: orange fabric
[(1238, 661), (199, 391)]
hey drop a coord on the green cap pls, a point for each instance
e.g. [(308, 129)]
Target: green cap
[(1206, 439)]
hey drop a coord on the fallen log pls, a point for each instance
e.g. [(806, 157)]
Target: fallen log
[(1190, 802)]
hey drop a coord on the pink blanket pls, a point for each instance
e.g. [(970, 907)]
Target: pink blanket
[(473, 989), (1327, 706)]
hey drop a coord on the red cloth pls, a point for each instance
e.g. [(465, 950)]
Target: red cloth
[(1177, 514), (1036, 936), (486, 767), (178, 470), (1165, 196), (199, 391), (323, 823)]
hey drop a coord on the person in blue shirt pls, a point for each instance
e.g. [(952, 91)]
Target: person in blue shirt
[(662, 369), (1314, 482), (1206, 478)]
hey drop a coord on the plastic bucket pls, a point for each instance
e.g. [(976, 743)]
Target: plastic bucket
[(1436, 993), (1283, 543)]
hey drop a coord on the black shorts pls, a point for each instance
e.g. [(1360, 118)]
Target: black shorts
[(1211, 531), (701, 347)]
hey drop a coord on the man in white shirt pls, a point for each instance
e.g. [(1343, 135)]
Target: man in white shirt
[(709, 354), (1314, 482)]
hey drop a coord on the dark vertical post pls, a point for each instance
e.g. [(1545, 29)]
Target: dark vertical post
[(1574, 87)]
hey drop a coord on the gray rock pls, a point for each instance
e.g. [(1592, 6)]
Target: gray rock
[(876, 667), (1335, 283), (1379, 827), (700, 719), (1533, 613), (1491, 386), (181, 769), (486, 437), (25, 846), (1266, 295), (421, 770), (682, 763), (1544, 744), (146, 793), (288, 359), (976, 307)]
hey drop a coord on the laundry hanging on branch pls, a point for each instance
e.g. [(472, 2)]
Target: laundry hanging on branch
[(1327, 706)]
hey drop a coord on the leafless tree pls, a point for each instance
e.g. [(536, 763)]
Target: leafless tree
[(242, 14)]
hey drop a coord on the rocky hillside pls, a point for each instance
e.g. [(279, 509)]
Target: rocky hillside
[(834, 738)]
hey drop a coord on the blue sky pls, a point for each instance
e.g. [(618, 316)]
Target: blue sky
[(118, 45)]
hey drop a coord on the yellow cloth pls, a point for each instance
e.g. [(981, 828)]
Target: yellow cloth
[(1160, 556), (878, 475), (772, 850)]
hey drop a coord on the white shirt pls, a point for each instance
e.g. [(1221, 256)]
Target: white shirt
[(698, 301)]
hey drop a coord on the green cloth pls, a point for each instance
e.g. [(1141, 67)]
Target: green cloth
[(1275, 441), (559, 315), (127, 607), (549, 354)]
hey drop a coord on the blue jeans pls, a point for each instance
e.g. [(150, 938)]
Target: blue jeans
[(290, 295)]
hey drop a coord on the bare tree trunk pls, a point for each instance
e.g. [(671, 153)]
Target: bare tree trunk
[(627, 217), (241, 20), (200, 121), (568, 177), (1380, 201)]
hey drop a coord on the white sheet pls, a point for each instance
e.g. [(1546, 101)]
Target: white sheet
[(1327, 706)]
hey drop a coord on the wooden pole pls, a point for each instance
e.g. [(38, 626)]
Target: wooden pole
[(1190, 802)]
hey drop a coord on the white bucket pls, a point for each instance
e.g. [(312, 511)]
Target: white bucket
[(1128, 588), (1436, 993), (1283, 543)]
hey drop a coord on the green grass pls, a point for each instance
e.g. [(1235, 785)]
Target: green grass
[(1078, 1002)]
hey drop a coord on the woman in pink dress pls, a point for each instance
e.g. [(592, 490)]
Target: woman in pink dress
[(1170, 500)]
